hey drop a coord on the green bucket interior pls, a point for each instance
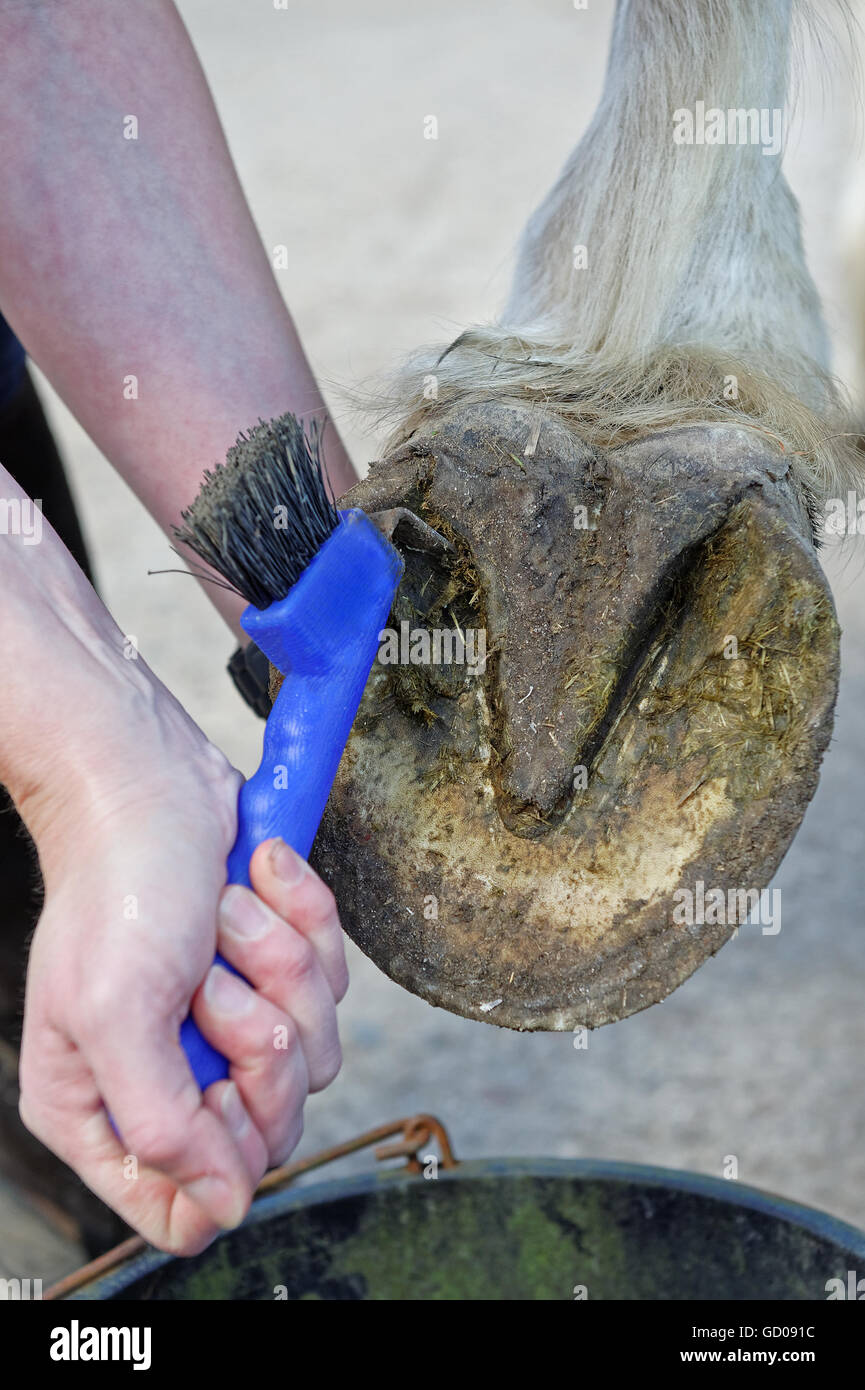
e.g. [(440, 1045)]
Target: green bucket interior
[(509, 1229)]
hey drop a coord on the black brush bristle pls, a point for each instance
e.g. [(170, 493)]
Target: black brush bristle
[(262, 515)]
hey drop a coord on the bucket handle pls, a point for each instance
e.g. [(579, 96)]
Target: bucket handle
[(415, 1133)]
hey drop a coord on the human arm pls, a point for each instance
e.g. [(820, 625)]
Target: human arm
[(133, 814), (131, 268)]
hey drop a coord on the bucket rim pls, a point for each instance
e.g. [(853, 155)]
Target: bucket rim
[(729, 1192)]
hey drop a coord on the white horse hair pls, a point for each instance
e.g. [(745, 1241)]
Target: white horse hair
[(691, 301)]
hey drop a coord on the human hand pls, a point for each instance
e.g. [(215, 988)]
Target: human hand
[(135, 910)]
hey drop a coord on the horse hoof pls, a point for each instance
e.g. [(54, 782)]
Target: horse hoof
[(558, 835)]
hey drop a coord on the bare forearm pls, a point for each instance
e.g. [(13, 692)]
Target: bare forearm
[(131, 268), (82, 717)]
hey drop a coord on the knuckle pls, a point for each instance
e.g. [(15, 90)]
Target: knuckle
[(285, 1039), (274, 1081), (152, 1143), (295, 1133), (275, 1107), (300, 961), (287, 1081), (342, 978), (328, 1068), (97, 1008), (283, 1148), (106, 1005)]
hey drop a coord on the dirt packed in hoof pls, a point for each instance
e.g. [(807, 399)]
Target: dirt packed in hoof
[(594, 725)]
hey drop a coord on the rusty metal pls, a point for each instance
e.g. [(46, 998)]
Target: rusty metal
[(101, 1265), (416, 1132)]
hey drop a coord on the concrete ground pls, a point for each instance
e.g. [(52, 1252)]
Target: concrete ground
[(396, 240)]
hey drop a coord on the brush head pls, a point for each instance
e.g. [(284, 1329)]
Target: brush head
[(262, 516)]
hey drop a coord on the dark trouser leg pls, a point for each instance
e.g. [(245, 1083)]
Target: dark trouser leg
[(28, 451)]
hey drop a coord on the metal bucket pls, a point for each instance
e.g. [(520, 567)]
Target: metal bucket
[(495, 1229)]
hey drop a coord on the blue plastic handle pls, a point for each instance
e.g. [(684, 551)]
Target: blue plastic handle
[(323, 636)]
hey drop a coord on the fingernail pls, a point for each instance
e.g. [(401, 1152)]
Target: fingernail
[(220, 1201), (226, 994), (233, 1111), (288, 866), (242, 914)]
